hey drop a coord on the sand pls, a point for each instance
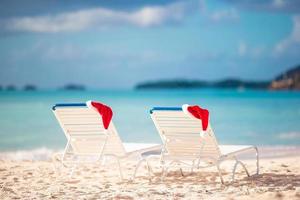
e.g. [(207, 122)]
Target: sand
[(279, 178)]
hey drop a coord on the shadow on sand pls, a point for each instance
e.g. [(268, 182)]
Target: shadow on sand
[(268, 180)]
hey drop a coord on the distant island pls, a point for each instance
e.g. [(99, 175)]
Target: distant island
[(181, 83), (73, 86), (287, 80), (11, 88), (30, 88)]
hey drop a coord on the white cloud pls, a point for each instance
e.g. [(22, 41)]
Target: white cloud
[(279, 3), (268, 5), (242, 49), (292, 40), (99, 18), (258, 51), (227, 15), (219, 15), (289, 136)]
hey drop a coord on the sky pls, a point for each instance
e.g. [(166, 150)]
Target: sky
[(118, 43)]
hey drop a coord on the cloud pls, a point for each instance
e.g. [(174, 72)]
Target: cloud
[(224, 15), (148, 16), (292, 41), (243, 49), (289, 136), (218, 15), (279, 3), (268, 5)]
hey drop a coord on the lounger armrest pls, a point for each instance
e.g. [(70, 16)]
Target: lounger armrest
[(155, 148), (87, 134), (240, 151)]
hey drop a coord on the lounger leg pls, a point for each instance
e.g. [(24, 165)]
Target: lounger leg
[(164, 174), (198, 164), (220, 173), (257, 160), (246, 170), (192, 170), (72, 170), (162, 165), (67, 149), (137, 167), (148, 164), (103, 161), (164, 170), (235, 167), (55, 159), (181, 172), (120, 170), (148, 168)]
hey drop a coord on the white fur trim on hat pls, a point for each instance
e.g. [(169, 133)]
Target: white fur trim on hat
[(89, 104), (185, 110)]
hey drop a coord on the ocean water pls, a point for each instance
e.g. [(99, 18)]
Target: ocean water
[(263, 118)]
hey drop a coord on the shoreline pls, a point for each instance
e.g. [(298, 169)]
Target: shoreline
[(44, 154)]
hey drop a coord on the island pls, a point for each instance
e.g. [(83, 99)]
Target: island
[(287, 80), (29, 88), (73, 86), (226, 83), (11, 88)]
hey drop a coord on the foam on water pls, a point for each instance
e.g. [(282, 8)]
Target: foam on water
[(45, 154), (35, 154)]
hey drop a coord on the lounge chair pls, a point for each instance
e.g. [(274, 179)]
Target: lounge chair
[(88, 140), (185, 142)]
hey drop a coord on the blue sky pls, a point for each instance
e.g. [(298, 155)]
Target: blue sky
[(116, 44)]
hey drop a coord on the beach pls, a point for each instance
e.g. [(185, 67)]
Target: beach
[(150, 99), (279, 178)]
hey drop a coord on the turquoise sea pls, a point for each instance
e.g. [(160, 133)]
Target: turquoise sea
[(237, 117)]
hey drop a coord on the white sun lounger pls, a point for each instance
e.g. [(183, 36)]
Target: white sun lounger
[(185, 142), (88, 141)]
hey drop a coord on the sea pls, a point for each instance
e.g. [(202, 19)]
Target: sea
[(263, 118)]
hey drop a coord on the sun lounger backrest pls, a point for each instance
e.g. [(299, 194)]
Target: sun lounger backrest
[(84, 129), (114, 144), (181, 133)]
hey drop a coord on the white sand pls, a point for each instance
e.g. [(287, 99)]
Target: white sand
[(279, 179)]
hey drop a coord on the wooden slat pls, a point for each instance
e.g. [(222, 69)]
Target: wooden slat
[(79, 116), (169, 113), (92, 132), (198, 122), (74, 110), (99, 137), (84, 129), (82, 121), (174, 118), (181, 129)]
